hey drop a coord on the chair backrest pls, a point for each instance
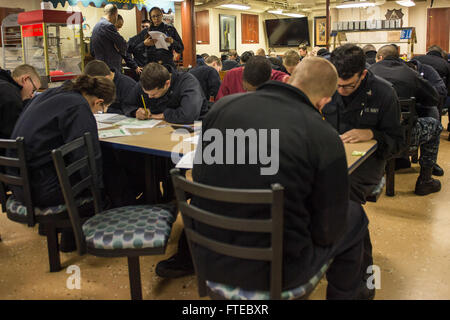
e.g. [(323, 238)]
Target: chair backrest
[(273, 225), (21, 179), (409, 117), (72, 187)]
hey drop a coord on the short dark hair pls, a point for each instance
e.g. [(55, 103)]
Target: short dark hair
[(387, 51), (154, 76), (155, 8), (97, 68), (257, 70), (246, 55), (275, 61), (369, 47), (348, 59), (146, 21), (232, 53), (212, 59), (291, 58), (435, 47), (303, 46), (322, 52)]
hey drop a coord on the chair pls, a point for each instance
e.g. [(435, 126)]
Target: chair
[(409, 119), (273, 226), (52, 218), (130, 231)]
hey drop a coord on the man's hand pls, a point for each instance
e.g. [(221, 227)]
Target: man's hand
[(169, 40), (149, 42), (159, 116), (141, 114), (357, 135), (138, 70)]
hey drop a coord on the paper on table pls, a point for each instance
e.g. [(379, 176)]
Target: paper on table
[(104, 116), (104, 125), (109, 117), (187, 161), (161, 39), (133, 123), (193, 139), (113, 133)]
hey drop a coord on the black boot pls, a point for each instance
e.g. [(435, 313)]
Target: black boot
[(425, 183), (437, 170), (175, 267), (178, 265), (402, 163)]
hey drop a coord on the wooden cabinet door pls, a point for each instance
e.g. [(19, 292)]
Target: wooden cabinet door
[(438, 27), (202, 27), (250, 28)]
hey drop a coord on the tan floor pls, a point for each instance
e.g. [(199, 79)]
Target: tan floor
[(410, 236)]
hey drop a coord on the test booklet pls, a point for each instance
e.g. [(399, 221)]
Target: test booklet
[(161, 39), (133, 123), (109, 117), (120, 132), (101, 126)]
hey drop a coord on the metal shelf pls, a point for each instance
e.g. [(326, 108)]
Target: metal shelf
[(11, 42)]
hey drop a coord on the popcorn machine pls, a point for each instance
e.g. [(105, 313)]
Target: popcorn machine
[(52, 42)]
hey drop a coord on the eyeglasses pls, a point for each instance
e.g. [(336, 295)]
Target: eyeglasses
[(34, 87), (350, 86), (157, 16)]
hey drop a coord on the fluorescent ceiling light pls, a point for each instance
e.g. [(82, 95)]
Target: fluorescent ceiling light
[(295, 15), (279, 11), (235, 6), (356, 4), (406, 3)]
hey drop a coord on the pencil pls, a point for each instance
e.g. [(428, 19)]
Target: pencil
[(143, 101)]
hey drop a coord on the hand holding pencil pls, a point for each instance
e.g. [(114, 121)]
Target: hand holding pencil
[(143, 113)]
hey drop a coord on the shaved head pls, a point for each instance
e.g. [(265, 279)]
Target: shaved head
[(387, 51), (317, 78)]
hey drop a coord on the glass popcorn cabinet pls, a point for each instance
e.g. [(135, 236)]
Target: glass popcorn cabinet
[(52, 42)]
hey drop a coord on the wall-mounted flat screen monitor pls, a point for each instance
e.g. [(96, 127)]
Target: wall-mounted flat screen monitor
[(287, 32)]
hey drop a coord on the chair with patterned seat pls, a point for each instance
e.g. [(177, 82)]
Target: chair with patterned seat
[(130, 231), (193, 215), (14, 172)]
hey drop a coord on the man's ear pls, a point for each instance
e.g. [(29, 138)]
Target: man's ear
[(21, 80), (378, 58), (167, 83)]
